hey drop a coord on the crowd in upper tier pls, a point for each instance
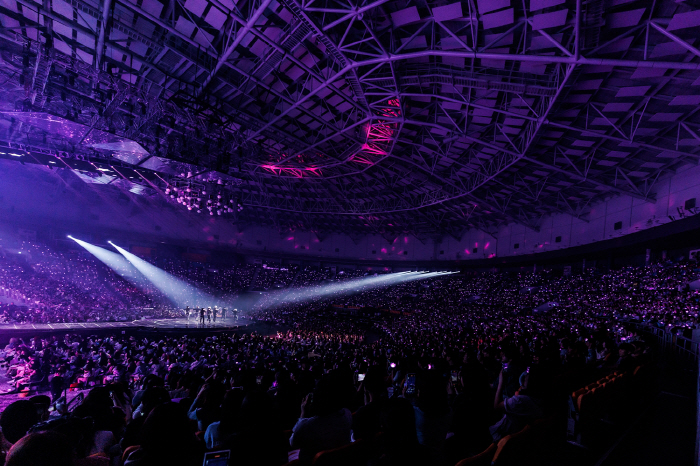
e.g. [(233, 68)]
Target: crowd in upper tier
[(466, 360), (40, 284)]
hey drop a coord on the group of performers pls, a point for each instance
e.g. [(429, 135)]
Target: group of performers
[(210, 313)]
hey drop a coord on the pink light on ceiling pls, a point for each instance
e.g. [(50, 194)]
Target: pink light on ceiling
[(291, 171), (486, 246), (363, 160), (380, 133)]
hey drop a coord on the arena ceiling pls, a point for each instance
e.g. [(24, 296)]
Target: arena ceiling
[(427, 117)]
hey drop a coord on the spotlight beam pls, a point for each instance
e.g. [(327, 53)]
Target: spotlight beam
[(306, 294), (115, 262), (178, 291)]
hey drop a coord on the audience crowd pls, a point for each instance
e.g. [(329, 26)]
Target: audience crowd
[(461, 362)]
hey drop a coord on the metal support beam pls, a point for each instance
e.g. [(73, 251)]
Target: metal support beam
[(576, 176), (99, 51), (626, 142), (240, 34), (675, 39), (532, 58)]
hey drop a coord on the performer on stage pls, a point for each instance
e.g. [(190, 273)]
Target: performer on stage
[(223, 314), (213, 311), (201, 316), (187, 313), (208, 315)]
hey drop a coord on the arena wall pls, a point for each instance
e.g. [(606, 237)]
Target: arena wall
[(35, 194)]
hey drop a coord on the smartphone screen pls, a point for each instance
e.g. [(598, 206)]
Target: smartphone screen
[(360, 377), (454, 376), (217, 458), (410, 383)]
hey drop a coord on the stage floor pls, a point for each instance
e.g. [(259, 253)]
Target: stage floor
[(177, 323)]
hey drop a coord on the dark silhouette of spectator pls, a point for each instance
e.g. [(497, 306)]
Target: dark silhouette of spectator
[(400, 441), (167, 439), (520, 409), (258, 438), (218, 432), (323, 424), (17, 419), (432, 412), (367, 419), (41, 449), (152, 398)]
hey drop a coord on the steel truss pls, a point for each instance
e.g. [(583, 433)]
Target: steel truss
[(348, 121)]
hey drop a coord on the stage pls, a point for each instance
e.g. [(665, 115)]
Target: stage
[(179, 323)]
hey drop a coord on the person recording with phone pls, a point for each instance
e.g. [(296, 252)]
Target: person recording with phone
[(366, 420), (511, 370)]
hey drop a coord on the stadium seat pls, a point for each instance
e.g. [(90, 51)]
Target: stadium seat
[(510, 447), (578, 393), (482, 459), (583, 401), (128, 451), (592, 385), (98, 459), (348, 455)]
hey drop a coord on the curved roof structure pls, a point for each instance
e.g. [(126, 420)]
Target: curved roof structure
[(368, 116)]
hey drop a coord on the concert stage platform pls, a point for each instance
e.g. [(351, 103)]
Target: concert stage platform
[(177, 324)]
